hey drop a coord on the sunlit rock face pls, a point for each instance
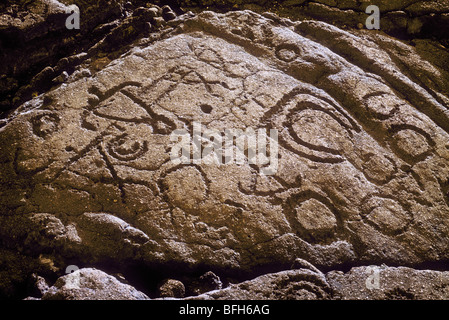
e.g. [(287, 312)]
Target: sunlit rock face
[(360, 172)]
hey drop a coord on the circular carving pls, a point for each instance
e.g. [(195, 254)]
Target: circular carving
[(125, 149)]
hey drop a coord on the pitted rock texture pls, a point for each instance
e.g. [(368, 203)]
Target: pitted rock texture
[(358, 284), (91, 284), (399, 283), (303, 282), (404, 18), (39, 52), (363, 163)]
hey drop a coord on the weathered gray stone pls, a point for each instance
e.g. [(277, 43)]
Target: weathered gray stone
[(391, 284), (207, 282), (301, 284), (304, 282), (91, 284), (360, 283)]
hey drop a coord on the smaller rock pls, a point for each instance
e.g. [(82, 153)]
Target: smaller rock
[(146, 13), (157, 9), (158, 22), (69, 63), (207, 282), (61, 78), (171, 288), (166, 9), (91, 284), (303, 264), (82, 73)]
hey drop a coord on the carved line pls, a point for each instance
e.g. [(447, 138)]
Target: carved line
[(299, 90), (136, 152), (109, 93)]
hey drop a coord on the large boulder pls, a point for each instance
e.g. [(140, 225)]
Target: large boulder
[(359, 174)]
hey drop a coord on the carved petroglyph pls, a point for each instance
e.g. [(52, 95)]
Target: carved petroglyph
[(362, 169)]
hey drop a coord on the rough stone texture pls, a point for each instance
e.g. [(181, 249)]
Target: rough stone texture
[(303, 282), (33, 35), (394, 284), (299, 284), (207, 282), (38, 51), (363, 176), (91, 284), (172, 288), (402, 18), (284, 285)]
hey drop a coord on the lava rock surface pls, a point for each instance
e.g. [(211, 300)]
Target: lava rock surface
[(361, 177)]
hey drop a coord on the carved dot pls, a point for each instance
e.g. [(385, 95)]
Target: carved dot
[(206, 108)]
